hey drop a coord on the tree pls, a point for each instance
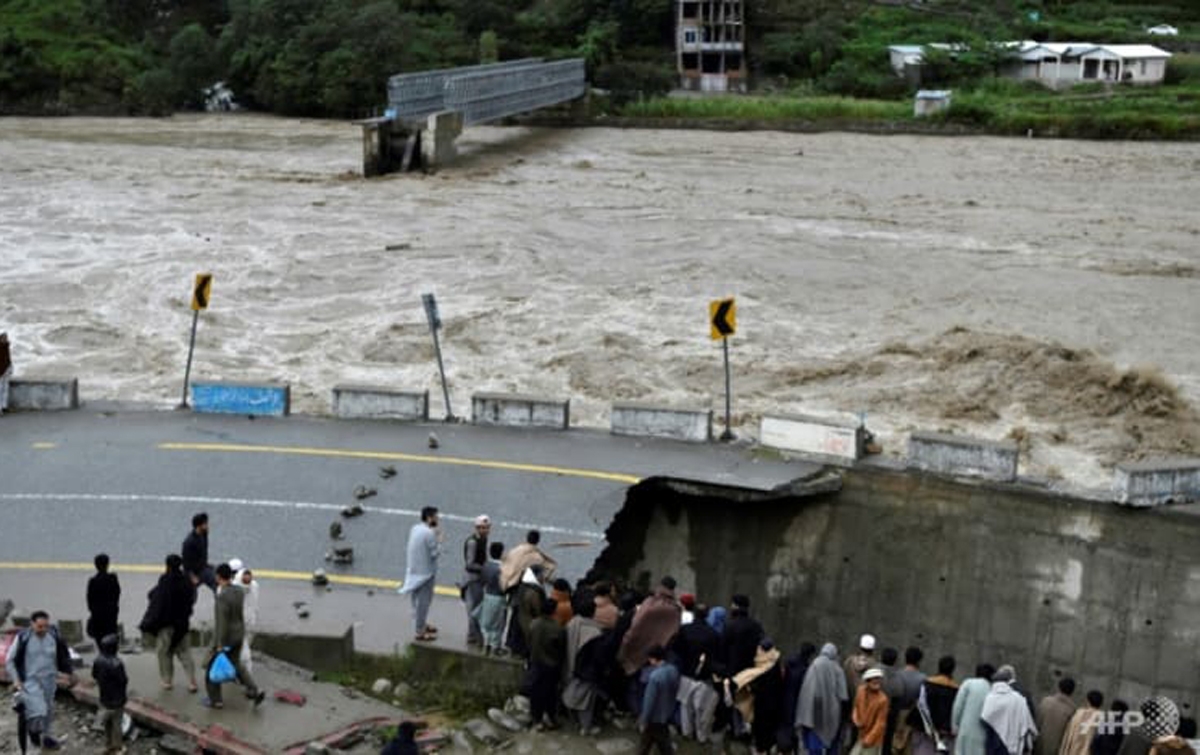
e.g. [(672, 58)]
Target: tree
[(192, 64), (489, 47)]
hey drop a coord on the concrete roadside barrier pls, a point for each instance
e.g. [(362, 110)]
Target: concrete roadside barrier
[(376, 402), (631, 418), (259, 399), (43, 394), (1158, 481), (962, 456), (829, 440), (516, 410)]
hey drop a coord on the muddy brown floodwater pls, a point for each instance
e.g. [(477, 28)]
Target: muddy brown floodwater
[(1043, 290)]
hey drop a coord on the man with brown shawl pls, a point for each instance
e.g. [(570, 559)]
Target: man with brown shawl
[(655, 622), (520, 558)]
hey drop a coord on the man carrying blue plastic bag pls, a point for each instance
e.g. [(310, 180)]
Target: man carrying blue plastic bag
[(230, 630)]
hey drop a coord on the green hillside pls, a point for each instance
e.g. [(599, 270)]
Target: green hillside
[(332, 57)]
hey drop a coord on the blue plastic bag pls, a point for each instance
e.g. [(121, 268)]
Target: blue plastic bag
[(221, 670)]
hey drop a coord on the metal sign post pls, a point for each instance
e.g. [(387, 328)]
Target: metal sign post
[(722, 321), (201, 292), (435, 323)]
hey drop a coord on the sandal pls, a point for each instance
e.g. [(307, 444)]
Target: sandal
[(430, 629), (192, 688), (425, 637)]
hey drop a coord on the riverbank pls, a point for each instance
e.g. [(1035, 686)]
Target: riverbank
[(998, 108)]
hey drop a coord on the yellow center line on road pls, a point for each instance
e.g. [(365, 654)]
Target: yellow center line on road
[(395, 456), (336, 579), (44, 445)]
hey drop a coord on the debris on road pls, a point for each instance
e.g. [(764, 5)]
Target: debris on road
[(387, 472), (352, 511), (290, 697), (433, 440), (335, 531), (362, 491)]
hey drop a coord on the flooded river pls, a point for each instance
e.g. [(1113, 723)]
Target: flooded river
[(1047, 291)]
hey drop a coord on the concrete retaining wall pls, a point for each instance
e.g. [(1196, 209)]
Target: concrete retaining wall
[(311, 651), (261, 399), (1153, 483), (662, 422), (43, 394), (829, 440), (958, 455), (375, 402), (482, 676), (999, 573), (514, 410)]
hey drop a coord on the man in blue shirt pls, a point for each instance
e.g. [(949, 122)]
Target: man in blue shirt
[(658, 704)]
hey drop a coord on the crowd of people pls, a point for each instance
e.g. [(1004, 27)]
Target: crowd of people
[(711, 674), (39, 658)]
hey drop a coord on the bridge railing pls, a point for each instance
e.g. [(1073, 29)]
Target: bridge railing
[(486, 95), (413, 96)]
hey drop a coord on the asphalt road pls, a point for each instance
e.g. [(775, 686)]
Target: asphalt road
[(127, 483)]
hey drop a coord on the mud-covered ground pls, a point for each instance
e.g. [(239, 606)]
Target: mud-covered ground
[(1047, 291)]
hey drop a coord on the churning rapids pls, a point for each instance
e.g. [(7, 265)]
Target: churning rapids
[(1047, 291)]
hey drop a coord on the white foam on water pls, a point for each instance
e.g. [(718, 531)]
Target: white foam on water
[(580, 262)]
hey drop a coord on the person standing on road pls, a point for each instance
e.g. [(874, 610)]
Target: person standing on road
[(658, 704), (607, 612), (195, 554), (229, 632), (475, 551), (103, 601), (424, 547), (655, 623), (1081, 729), (547, 652), (527, 603), (525, 555), (741, 636), (166, 620), (243, 578), (870, 713), (966, 718), (34, 662), (1053, 715), (1006, 718), (493, 610), (819, 707), (109, 673)]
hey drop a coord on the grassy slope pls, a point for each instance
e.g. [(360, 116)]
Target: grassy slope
[(998, 105)]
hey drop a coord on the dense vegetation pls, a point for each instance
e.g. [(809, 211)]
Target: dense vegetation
[(332, 57)]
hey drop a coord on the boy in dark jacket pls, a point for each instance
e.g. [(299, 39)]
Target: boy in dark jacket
[(109, 673)]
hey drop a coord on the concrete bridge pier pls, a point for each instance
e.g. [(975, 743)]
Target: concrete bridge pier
[(391, 145)]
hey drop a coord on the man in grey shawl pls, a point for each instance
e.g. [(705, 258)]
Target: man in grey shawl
[(970, 738), (34, 661), (1006, 714), (580, 677), (423, 549), (819, 707)]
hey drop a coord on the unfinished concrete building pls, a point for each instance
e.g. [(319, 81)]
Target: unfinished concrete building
[(710, 44)]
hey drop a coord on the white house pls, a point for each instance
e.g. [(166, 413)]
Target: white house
[(1059, 64), (1062, 64)]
